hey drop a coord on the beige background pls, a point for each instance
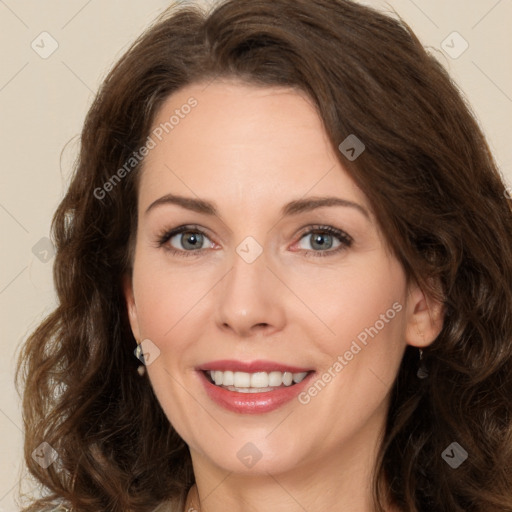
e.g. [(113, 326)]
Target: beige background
[(43, 103)]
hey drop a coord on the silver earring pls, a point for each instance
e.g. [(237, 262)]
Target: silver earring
[(139, 355), (422, 372)]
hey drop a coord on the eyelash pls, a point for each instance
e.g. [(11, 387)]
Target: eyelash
[(344, 238)]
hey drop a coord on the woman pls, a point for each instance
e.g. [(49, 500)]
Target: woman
[(284, 275)]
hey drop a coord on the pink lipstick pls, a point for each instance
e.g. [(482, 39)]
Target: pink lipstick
[(252, 387)]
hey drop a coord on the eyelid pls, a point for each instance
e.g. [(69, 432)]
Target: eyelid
[(312, 228)]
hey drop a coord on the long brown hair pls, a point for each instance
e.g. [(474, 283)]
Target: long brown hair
[(433, 185)]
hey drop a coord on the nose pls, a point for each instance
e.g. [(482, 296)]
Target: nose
[(250, 299)]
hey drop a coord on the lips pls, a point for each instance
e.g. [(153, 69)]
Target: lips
[(251, 400)]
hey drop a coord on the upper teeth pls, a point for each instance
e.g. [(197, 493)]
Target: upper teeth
[(255, 380)]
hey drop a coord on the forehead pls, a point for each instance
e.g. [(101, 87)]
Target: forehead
[(242, 141)]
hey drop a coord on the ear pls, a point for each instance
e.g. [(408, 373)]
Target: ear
[(130, 306), (425, 317)]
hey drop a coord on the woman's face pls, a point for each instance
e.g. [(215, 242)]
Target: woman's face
[(261, 290)]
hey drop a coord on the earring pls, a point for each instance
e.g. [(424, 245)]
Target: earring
[(139, 355), (422, 372)]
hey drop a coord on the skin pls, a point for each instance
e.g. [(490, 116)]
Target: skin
[(250, 150)]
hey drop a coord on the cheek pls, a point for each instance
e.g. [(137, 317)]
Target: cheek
[(364, 351), (165, 296), (372, 328), (362, 354), (370, 311), (168, 303), (361, 303)]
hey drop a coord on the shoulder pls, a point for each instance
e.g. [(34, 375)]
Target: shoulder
[(165, 506)]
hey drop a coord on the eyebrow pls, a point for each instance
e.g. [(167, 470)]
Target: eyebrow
[(292, 208)]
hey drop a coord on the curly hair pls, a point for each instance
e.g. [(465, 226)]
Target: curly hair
[(441, 204)]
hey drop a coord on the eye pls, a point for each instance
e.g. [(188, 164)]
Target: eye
[(189, 239), (184, 241), (323, 238)]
